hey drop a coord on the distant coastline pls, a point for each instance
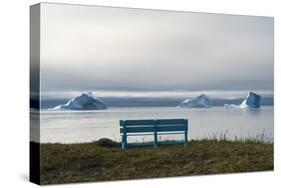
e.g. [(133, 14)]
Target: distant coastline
[(150, 101)]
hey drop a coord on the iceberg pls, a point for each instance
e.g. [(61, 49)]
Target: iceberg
[(252, 101), (202, 101), (86, 101)]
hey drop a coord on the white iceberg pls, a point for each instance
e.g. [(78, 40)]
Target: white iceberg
[(252, 101), (202, 101), (86, 101)]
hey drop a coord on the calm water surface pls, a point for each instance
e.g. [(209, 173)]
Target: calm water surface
[(86, 126)]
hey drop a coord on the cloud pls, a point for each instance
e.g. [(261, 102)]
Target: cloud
[(87, 47)]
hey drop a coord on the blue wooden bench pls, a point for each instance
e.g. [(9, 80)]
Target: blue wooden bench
[(153, 127)]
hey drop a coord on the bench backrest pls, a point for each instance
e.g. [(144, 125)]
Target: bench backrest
[(158, 125)]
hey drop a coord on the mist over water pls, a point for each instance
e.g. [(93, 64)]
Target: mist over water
[(154, 98)]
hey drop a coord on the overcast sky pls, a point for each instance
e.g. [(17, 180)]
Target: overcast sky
[(98, 48)]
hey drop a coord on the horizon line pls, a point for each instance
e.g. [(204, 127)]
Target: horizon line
[(224, 94)]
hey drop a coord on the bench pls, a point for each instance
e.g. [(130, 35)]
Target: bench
[(153, 127)]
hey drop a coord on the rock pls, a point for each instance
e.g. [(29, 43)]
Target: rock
[(105, 142)]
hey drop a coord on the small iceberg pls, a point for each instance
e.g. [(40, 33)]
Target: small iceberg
[(202, 101), (86, 101), (252, 101)]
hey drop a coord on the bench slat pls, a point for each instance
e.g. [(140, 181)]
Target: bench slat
[(151, 129), (152, 122), (138, 122), (170, 121), (148, 134)]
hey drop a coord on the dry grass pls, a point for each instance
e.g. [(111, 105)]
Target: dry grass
[(70, 163)]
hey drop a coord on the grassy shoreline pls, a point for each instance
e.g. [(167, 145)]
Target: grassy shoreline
[(84, 162)]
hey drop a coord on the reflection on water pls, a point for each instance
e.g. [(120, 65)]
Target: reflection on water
[(252, 111), (86, 126)]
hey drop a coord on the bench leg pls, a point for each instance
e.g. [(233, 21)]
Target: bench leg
[(185, 139), (155, 139), (124, 141)]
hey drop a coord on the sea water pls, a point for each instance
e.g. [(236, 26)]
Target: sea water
[(87, 126)]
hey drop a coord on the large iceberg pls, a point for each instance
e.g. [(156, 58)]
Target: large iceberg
[(202, 101), (252, 101), (86, 101)]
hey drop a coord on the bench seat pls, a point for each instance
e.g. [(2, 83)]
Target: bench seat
[(153, 127)]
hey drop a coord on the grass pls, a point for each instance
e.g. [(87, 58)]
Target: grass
[(70, 163)]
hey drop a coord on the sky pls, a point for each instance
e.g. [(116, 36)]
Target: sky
[(117, 49)]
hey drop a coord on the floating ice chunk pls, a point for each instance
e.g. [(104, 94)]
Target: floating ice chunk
[(202, 101), (251, 101), (86, 101)]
